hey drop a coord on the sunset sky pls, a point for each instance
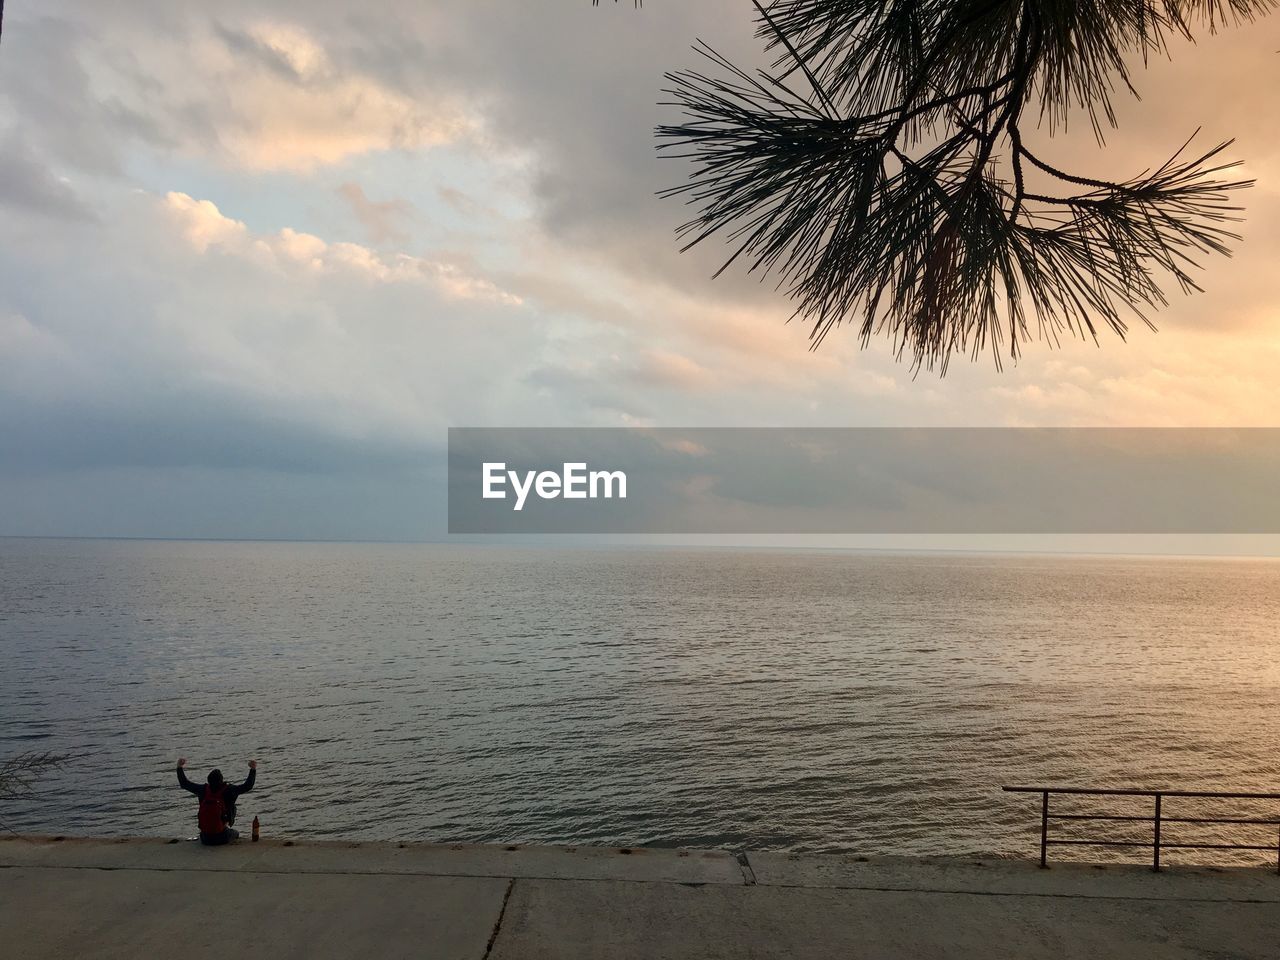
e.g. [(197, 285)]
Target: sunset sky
[(257, 258)]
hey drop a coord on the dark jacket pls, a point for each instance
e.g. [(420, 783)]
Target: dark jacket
[(230, 792)]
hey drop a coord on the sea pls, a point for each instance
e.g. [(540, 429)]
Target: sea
[(796, 700)]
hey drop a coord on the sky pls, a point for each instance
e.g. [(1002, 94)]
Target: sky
[(258, 257)]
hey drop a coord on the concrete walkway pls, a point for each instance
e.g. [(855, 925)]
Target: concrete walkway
[(154, 898)]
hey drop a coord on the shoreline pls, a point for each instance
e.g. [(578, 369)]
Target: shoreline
[(965, 873)]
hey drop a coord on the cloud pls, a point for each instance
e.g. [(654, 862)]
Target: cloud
[(50, 102), (202, 223), (184, 185), (204, 226), (287, 105), (262, 94), (665, 368), (30, 185), (381, 218), (1185, 378), (181, 318)]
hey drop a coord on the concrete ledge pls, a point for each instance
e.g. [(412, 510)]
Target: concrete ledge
[(557, 919), (648, 865), (1015, 877), (59, 913), (639, 864), (124, 899)]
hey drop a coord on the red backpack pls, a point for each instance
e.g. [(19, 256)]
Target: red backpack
[(212, 808)]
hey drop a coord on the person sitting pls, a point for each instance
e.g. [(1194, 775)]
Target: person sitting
[(217, 803)]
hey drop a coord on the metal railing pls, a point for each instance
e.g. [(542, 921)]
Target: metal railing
[(1157, 819)]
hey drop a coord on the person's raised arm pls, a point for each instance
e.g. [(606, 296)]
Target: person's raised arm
[(183, 782), (248, 783)]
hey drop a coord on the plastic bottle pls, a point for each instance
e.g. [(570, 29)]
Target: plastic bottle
[(255, 829)]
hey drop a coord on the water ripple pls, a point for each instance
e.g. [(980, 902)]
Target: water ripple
[(785, 700)]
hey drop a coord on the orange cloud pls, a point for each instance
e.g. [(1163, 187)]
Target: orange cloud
[(205, 227), (286, 105)]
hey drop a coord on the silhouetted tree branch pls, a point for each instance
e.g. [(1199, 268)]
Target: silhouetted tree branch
[(19, 773), (880, 168)]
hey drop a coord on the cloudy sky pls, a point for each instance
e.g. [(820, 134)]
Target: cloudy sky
[(257, 258)]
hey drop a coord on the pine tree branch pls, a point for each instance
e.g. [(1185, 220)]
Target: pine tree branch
[(938, 252)]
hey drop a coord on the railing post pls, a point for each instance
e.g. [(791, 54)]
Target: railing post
[(1156, 864), (1278, 853), (1044, 831)]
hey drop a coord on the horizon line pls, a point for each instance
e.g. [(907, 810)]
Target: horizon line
[(494, 541)]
